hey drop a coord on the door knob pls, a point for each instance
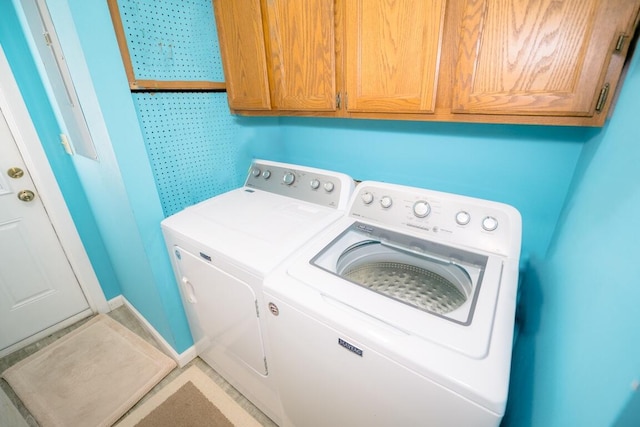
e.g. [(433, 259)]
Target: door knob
[(15, 173), (26, 195)]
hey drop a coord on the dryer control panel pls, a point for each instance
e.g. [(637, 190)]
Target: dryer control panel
[(322, 187), (476, 223)]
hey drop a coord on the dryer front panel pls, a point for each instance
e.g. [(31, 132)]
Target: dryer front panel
[(221, 309)]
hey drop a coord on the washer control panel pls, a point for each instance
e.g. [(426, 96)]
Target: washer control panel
[(322, 187), (468, 221)]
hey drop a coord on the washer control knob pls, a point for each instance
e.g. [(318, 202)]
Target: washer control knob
[(256, 172), (266, 174), (489, 223), (386, 202), (421, 208), (329, 186), (463, 218), (315, 184), (367, 198), (288, 178)]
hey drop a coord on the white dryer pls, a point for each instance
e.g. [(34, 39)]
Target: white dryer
[(401, 314), (222, 249)]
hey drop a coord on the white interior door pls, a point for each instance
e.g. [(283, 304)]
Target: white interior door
[(38, 288)]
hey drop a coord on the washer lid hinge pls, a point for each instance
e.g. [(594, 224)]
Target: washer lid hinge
[(257, 308)]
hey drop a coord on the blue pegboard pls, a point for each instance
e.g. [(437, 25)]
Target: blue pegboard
[(172, 39), (190, 140)]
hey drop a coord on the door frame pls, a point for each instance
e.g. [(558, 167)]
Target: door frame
[(30, 147)]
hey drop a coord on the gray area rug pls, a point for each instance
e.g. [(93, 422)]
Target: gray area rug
[(191, 399), (89, 377)]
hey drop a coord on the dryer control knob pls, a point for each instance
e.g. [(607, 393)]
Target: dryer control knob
[(367, 198), (386, 202), (421, 208), (315, 184), (256, 172), (266, 174), (288, 178), (328, 187), (489, 223)]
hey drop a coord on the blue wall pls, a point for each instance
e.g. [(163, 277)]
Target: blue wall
[(123, 193), (579, 355), (26, 74)]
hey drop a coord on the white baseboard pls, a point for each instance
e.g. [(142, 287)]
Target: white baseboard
[(116, 302), (181, 358)]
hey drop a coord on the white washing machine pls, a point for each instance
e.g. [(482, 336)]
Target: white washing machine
[(400, 314), (222, 249)]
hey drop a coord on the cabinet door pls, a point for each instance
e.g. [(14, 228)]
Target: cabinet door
[(241, 36), (392, 50), (536, 56), (301, 38)]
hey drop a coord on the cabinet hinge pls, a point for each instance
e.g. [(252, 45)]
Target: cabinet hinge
[(338, 101), (602, 98), (620, 43)]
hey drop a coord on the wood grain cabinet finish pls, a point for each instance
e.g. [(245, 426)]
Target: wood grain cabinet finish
[(537, 57), (241, 38), (301, 54), (392, 49), (554, 62)]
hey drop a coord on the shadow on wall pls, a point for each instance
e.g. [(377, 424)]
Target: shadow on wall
[(630, 416), (528, 312)]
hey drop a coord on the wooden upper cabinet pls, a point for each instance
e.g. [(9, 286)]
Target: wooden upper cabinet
[(241, 38), (301, 54), (392, 49), (497, 61), (539, 57)]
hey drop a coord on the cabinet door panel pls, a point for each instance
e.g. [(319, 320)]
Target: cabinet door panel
[(392, 50), (241, 36), (536, 56), (302, 54)]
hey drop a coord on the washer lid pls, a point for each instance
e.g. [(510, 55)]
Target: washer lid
[(426, 276), (466, 329)]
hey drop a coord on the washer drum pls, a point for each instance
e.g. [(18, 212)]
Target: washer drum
[(426, 283)]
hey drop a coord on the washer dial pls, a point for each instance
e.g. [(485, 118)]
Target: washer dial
[(256, 172), (421, 208), (367, 198), (315, 184), (463, 218), (386, 202), (266, 174), (489, 223)]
